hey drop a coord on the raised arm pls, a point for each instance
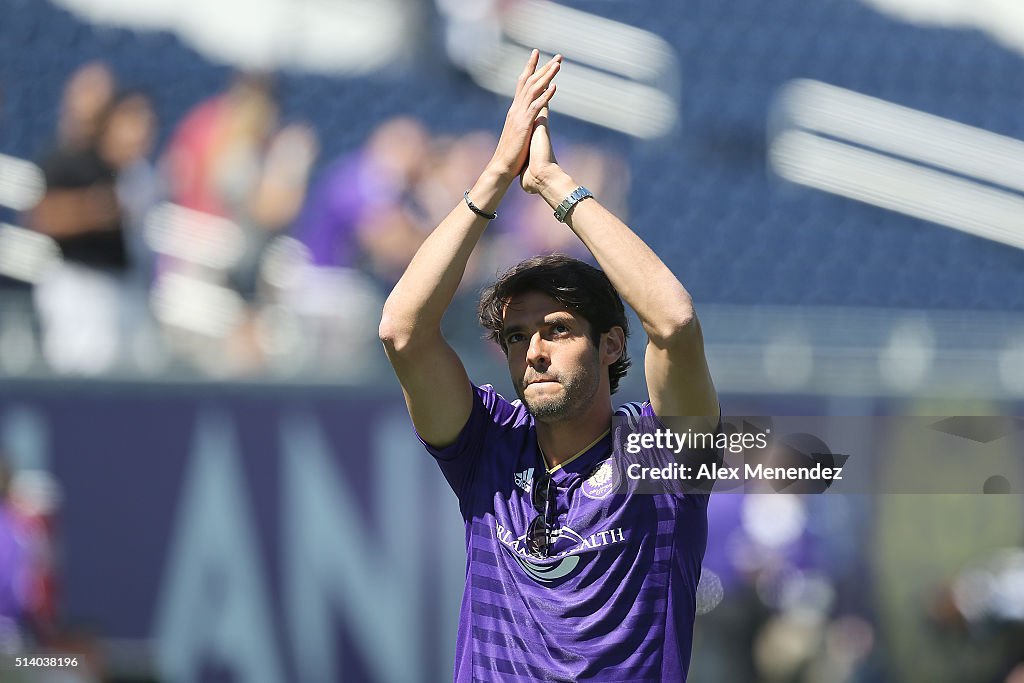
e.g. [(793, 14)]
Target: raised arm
[(678, 380), (434, 381)]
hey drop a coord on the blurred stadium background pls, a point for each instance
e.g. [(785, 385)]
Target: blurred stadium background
[(203, 204)]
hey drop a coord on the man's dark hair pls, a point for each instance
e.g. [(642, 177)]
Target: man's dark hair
[(579, 286)]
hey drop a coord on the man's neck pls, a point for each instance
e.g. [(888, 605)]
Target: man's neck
[(560, 441)]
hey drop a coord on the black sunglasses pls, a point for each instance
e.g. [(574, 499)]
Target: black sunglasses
[(541, 532)]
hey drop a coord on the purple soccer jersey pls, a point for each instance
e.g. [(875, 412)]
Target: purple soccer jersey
[(614, 601)]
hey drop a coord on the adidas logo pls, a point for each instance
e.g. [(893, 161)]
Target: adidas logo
[(524, 479)]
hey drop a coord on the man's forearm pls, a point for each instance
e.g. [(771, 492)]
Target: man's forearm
[(641, 278), (418, 302)]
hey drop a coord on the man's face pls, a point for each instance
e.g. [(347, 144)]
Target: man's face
[(555, 367)]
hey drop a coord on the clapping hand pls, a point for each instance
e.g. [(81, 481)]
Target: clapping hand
[(534, 89)]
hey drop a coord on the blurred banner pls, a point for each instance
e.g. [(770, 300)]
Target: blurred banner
[(297, 533), (277, 537)]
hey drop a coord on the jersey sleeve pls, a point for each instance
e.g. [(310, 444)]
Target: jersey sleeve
[(639, 418), (491, 416)]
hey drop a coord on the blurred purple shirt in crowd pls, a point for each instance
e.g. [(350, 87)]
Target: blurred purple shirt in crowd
[(327, 224), (13, 567)]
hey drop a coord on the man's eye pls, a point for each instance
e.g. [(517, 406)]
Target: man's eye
[(513, 338), (560, 329)]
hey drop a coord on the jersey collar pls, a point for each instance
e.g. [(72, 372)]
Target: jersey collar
[(581, 460)]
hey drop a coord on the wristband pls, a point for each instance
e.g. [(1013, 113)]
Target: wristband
[(574, 198), (477, 210)]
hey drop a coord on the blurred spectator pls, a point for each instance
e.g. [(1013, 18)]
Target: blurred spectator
[(219, 140), (358, 228), (360, 213), (79, 301), (454, 164), (87, 94), (372, 208), (229, 159), (126, 143), (782, 561), (14, 570), (29, 622), (33, 500), (984, 602), (80, 209), (238, 181)]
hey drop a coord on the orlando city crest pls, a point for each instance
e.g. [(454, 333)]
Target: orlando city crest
[(600, 482)]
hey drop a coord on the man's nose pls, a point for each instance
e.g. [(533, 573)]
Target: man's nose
[(537, 354)]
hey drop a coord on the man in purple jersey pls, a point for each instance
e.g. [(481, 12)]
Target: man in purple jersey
[(568, 577)]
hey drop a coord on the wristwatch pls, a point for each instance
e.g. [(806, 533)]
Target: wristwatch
[(574, 198)]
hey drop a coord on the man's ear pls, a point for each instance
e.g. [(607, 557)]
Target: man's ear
[(613, 343)]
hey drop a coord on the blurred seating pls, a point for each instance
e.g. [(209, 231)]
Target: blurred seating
[(702, 196)]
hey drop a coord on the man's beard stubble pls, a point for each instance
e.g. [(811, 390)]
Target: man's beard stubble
[(577, 391)]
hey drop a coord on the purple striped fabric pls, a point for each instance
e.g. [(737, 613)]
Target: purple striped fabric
[(616, 599)]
